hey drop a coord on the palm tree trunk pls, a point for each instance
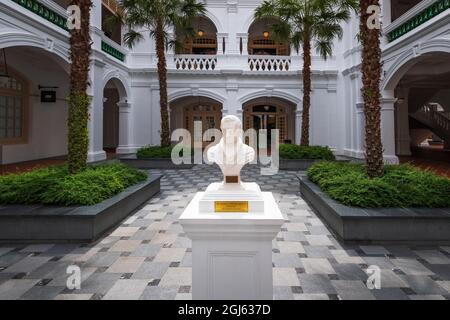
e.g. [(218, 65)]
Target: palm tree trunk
[(306, 90), (80, 51), (371, 69), (162, 74)]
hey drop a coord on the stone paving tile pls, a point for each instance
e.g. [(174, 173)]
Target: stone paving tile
[(423, 285), (126, 265), (126, 290), (316, 284), (285, 277), (42, 293), (317, 266), (14, 289), (159, 293), (389, 294), (309, 296), (81, 296), (412, 267), (427, 297), (149, 257), (178, 276), (151, 270), (27, 265), (352, 290), (433, 256)]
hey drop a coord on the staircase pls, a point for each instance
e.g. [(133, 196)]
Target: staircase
[(437, 121)]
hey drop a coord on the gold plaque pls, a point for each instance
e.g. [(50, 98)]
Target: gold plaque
[(231, 206), (231, 179)]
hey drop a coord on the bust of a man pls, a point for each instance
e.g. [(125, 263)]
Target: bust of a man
[(231, 154)]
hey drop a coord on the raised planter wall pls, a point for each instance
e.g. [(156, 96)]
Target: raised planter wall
[(296, 164), (39, 223), (387, 225), (134, 162)]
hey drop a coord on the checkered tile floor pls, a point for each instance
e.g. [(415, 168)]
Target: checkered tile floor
[(149, 257)]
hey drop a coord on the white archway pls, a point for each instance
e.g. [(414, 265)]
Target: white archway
[(196, 92), (14, 38), (409, 58), (116, 113), (270, 93)]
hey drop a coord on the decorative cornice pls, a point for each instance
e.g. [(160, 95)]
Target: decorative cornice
[(112, 51), (420, 18), (44, 11)]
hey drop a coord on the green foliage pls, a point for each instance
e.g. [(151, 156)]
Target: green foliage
[(314, 21), (401, 186), (147, 16), (78, 139), (55, 186), (158, 152), (293, 151)]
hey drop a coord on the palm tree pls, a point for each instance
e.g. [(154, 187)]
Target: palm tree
[(80, 51), (303, 22), (371, 69), (156, 17)]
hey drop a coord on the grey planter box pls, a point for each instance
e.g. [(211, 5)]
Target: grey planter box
[(134, 162), (387, 225), (296, 164), (301, 164), (39, 223)]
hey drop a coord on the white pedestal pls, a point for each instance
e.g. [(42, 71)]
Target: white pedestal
[(232, 252)]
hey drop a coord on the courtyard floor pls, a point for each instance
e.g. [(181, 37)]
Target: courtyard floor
[(149, 257)]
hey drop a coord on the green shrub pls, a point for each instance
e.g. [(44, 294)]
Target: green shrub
[(158, 152), (400, 186), (55, 186), (293, 151)]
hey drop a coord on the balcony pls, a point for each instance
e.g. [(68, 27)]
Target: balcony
[(236, 63), (269, 63), (194, 62)]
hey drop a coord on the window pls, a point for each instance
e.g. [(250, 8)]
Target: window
[(13, 111)]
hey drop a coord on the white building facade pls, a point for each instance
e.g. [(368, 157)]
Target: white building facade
[(234, 67)]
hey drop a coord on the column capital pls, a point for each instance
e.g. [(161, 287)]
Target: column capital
[(124, 105)]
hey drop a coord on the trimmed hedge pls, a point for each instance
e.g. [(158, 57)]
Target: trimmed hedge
[(401, 186), (158, 152), (293, 151), (55, 186)]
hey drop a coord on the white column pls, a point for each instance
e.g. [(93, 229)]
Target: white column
[(125, 130), (359, 150), (244, 37), (403, 139), (298, 123), (388, 129), (95, 124), (386, 12), (96, 24), (220, 43), (232, 105)]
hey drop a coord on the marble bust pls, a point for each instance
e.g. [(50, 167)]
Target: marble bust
[(231, 153)]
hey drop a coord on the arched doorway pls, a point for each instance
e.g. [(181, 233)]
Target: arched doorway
[(113, 94), (33, 107), (271, 113), (422, 109), (202, 42), (261, 41), (184, 112)]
